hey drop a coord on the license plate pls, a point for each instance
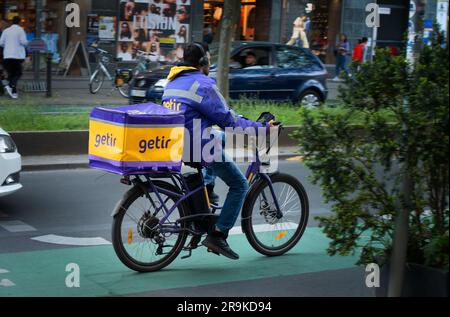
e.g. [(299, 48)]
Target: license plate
[(138, 93)]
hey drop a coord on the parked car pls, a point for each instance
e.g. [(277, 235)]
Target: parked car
[(10, 165), (281, 72)]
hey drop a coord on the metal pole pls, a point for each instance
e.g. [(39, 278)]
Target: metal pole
[(36, 55), (49, 74)]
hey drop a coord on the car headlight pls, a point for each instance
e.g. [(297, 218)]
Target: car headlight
[(162, 83), (6, 144)]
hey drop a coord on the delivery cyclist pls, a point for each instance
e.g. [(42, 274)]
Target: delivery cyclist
[(191, 90)]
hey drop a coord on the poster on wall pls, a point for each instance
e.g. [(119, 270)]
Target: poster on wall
[(92, 30), (107, 28), (157, 27), (51, 41)]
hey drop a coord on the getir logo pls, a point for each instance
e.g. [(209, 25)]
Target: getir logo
[(157, 143), (107, 140)]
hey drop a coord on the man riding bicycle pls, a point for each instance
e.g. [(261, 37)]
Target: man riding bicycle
[(191, 90)]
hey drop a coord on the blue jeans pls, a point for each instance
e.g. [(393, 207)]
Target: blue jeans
[(230, 173), (341, 64)]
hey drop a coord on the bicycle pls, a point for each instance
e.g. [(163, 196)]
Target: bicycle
[(167, 213), (121, 79)]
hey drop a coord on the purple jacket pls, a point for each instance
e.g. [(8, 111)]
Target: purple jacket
[(197, 95)]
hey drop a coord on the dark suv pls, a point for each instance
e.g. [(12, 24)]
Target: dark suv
[(281, 72)]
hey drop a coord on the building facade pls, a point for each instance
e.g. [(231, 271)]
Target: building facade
[(161, 27)]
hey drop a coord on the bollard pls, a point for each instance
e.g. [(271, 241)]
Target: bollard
[(49, 74)]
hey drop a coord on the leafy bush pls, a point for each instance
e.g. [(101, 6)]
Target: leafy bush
[(361, 170)]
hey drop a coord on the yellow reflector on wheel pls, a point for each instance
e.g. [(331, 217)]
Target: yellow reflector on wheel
[(130, 236), (280, 235)]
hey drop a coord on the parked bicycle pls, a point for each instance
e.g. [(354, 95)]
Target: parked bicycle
[(120, 80), (161, 211)]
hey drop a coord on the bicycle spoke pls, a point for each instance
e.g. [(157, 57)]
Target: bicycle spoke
[(141, 235)]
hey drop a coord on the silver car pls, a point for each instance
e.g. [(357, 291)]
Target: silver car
[(10, 165)]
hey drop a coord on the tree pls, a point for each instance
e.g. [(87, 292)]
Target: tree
[(360, 157), (227, 29)]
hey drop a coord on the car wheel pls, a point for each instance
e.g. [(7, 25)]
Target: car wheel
[(310, 99)]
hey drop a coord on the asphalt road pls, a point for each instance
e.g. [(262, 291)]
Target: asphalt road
[(78, 204)]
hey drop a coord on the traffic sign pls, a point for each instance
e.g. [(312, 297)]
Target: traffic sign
[(38, 45)]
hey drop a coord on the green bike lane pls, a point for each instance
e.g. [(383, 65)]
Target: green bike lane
[(43, 273)]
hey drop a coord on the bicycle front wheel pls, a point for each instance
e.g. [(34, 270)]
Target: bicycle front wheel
[(140, 242), (269, 233), (96, 81)]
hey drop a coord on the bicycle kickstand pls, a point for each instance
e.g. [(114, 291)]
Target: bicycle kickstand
[(193, 244)]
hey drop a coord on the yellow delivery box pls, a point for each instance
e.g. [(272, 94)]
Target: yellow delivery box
[(137, 139)]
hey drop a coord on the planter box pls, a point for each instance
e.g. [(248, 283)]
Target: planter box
[(420, 281)]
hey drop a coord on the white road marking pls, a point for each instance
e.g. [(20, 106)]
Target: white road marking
[(266, 227), (2, 271), (55, 239), (16, 226), (6, 283)]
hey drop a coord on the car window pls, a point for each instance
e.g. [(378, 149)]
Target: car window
[(252, 58), (288, 57), (214, 51)]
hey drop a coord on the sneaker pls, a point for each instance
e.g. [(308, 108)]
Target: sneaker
[(213, 197), (336, 78), (9, 90), (14, 96), (217, 244)]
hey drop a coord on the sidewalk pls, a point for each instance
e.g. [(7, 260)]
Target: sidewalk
[(71, 91), (58, 162), (74, 91)]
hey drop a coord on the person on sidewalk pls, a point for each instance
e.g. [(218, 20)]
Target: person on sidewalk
[(360, 52), (13, 41), (342, 51), (299, 33), (3, 25)]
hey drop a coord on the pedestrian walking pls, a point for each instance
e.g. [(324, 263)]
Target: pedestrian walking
[(299, 32), (13, 40), (342, 52), (3, 25), (360, 55)]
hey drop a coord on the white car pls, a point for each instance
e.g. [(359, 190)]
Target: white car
[(10, 165)]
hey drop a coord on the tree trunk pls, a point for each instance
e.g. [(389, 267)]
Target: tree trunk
[(227, 30), (400, 240)]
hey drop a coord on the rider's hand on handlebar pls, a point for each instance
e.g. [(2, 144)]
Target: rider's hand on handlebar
[(274, 124)]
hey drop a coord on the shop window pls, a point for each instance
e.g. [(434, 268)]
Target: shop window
[(213, 10)]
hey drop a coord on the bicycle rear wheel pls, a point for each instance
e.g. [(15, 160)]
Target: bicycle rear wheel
[(265, 232), (96, 81), (124, 90), (139, 241)]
